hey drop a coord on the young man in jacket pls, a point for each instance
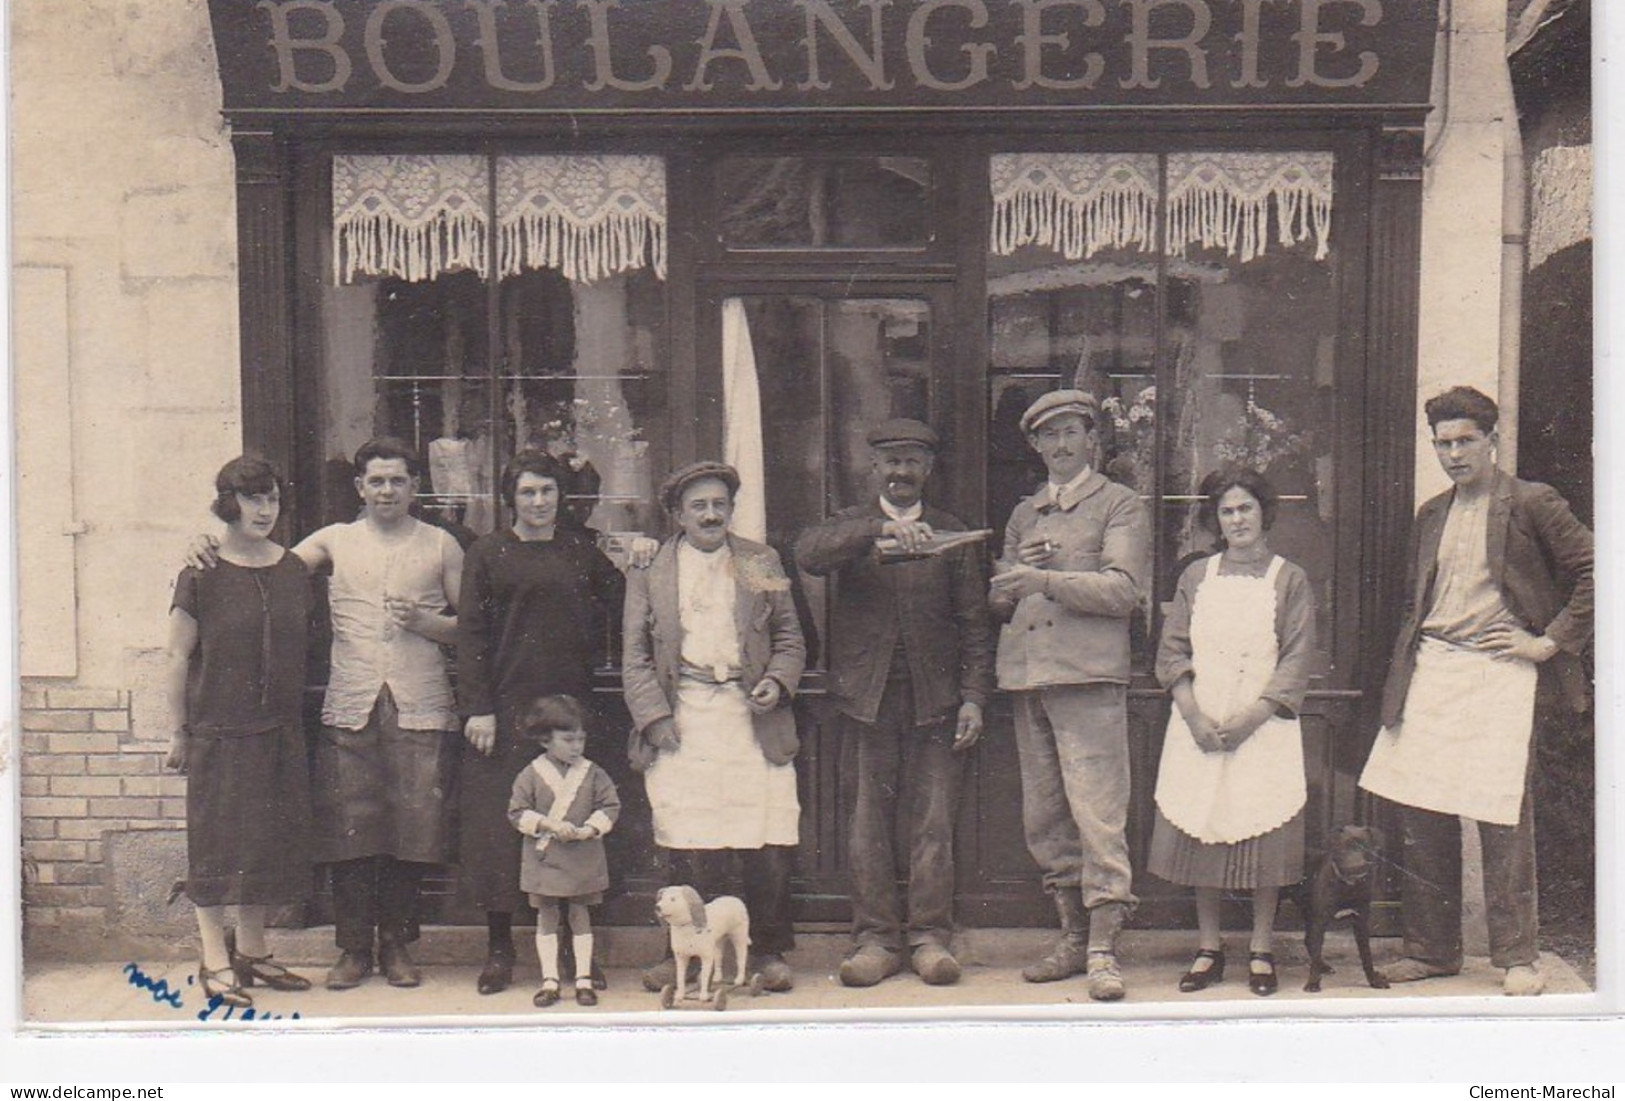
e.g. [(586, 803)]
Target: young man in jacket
[(1499, 597)]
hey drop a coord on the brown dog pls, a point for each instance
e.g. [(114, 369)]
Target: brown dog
[(1341, 887)]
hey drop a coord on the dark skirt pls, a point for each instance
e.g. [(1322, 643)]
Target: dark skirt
[(384, 791), (1273, 859), (248, 818), (488, 845)]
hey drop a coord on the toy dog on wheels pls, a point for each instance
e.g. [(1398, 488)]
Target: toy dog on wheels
[(699, 930)]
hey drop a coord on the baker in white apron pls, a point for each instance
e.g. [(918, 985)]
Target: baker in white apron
[(713, 653), (1500, 582), (1235, 651)]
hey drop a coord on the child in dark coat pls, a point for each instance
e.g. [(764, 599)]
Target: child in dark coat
[(567, 804)]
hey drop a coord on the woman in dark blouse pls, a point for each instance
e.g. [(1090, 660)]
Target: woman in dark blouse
[(537, 601), (236, 677)]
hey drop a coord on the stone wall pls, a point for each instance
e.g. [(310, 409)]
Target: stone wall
[(124, 229)]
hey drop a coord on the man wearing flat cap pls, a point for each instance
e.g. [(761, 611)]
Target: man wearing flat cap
[(712, 655), (1071, 577), (911, 669)]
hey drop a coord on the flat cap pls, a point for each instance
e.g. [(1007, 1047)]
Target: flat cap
[(901, 432), (671, 490), (1057, 402)]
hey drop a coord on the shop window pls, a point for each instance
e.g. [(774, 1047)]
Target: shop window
[(1196, 295), (562, 347), (824, 202)]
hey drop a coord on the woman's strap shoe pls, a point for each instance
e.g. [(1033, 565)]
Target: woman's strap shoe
[(260, 969), (1200, 978), (1262, 983), (215, 987)]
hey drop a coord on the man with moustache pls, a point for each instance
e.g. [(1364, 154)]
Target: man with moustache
[(1071, 576), (911, 668), (1498, 615), (712, 655)]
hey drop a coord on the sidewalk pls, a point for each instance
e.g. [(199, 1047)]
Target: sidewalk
[(1152, 960)]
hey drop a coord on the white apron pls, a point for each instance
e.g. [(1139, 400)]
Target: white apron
[(716, 790), (1230, 797), (1462, 746)]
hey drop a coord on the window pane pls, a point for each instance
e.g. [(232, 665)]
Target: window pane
[(1062, 323), (1252, 347), (580, 371), (805, 202), (584, 378), (827, 370), (409, 360)]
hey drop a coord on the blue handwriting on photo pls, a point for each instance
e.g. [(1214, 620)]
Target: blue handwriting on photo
[(215, 1010)]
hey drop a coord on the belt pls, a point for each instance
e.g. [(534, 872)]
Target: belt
[(715, 674)]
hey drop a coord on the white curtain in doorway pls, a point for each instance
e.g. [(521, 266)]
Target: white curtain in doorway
[(742, 421)]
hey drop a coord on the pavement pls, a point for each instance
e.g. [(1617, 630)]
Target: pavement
[(144, 993)]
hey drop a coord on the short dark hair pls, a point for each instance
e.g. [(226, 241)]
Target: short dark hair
[(1222, 481), (386, 448), (549, 714), (533, 461), (1463, 403), (248, 475)]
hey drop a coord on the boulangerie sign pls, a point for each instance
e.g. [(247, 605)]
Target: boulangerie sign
[(700, 55)]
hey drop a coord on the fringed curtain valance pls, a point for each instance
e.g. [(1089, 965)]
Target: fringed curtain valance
[(1223, 200), (410, 217), (418, 217), (586, 216), (1074, 203), (1080, 203)]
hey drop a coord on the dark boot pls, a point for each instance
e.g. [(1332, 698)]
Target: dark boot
[(1070, 956), (1105, 980), (396, 963), (497, 974)]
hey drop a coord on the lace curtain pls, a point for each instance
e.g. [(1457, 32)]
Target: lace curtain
[(1080, 203), (419, 217)]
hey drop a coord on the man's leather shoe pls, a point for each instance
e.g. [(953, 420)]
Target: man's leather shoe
[(870, 964), (777, 978), (497, 974), (935, 965), (396, 965), (349, 971)]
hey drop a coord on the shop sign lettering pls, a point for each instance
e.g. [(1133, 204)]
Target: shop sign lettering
[(688, 54)]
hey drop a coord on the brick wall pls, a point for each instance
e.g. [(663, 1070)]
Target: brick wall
[(84, 773)]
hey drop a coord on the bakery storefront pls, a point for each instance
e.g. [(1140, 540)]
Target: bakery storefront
[(641, 232)]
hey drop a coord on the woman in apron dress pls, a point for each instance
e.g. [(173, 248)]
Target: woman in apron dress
[(1235, 652)]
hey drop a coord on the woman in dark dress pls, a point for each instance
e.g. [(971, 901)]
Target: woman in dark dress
[(236, 677), (537, 600)]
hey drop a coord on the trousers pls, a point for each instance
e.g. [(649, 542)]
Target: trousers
[(375, 894), (1430, 894), (1072, 743), (765, 881), (908, 781)]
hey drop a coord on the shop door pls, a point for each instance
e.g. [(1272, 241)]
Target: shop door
[(805, 369)]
